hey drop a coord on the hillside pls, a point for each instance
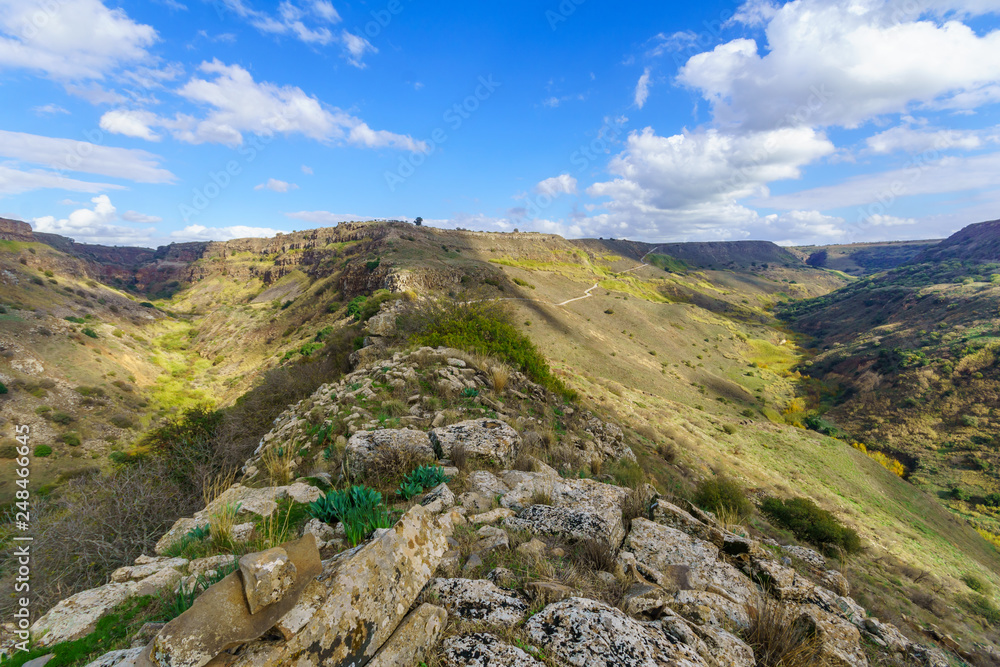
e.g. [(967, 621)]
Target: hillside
[(863, 259), (909, 359), (678, 344)]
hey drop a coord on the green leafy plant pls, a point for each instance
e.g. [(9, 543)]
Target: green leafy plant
[(89, 332), (470, 392), (178, 602), (409, 489), (811, 523), (42, 450), (420, 478), (722, 494), (359, 508)]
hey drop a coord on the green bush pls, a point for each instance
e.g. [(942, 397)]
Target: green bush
[(627, 473), (74, 320), (71, 439), (486, 328), (42, 450), (60, 418), (3, 389), (87, 331), (984, 607), (975, 583), (809, 522), (958, 493), (177, 602), (723, 494), (359, 508)]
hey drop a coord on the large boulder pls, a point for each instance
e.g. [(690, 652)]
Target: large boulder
[(267, 577), (581, 509), (366, 447), (220, 618), (588, 633), (839, 640), (481, 649), (413, 639), (370, 591), (781, 582), (77, 616), (488, 440), (477, 600)]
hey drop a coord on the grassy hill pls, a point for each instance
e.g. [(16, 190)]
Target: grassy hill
[(678, 342)]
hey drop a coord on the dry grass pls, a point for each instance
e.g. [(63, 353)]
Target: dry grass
[(272, 531), (277, 463), (593, 555), (460, 457), (634, 505), (667, 451), (499, 376), (776, 639), (524, 462), (541, 497), (222, 522), (391, 465)]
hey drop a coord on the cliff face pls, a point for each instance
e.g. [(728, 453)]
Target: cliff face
[(15, 230)]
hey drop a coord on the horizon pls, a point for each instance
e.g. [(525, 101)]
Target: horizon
[(800, 123)]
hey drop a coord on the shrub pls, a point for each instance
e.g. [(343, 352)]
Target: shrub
[(969, 420), (359, 508), (177, 602), (146, 304), (627, 473), (809, 522), (3, 389), (71, 439), (90, 333), (975, 583), (60, 418), (725, 495), (185, 445), (984, 607), (594, 555), (777, 640), (958, 493), (43, 450), (485, 328), (122, 421)]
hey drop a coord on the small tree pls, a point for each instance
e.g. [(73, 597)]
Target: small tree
[(418, 221), (817, 259)]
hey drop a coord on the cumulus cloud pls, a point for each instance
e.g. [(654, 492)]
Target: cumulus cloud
[(71, 39), (642, 89), (93, 225), (557, 185), (70, 155), (844, 63), (237, 104), (355, 48), (202, 233), (131, 123), (274, 185)]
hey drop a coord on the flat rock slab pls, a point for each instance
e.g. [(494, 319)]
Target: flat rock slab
[(123, 658), (483, 439), (77, 616), (481, 649), (477, 600), (588, 633), (414, 639), (588, 509)]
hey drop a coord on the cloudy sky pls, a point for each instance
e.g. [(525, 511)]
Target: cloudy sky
[(145, 122)]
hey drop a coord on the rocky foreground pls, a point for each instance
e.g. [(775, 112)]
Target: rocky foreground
[(478, 577)]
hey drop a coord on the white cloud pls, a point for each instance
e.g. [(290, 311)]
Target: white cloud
[(355, 48), (49, 110), (307, 170), (93, 225), (135, 216), (202, 233), (642, 89), (131, 123), (67, 154), (274, 185), (15, 181), (562, 184), (325, 217), (239, 104), (70, 39), (844, 63), (910, 140), (917, 177)]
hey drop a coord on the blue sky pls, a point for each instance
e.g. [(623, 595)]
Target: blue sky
[(143, 123)]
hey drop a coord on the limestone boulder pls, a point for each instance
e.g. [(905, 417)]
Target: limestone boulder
[(177, 532), (781, 582), (210, 564), (840, 640), (491, 517), (477, 600), (583, 632), (711, 609), (836, 582), (439, 499), (414, 638), (488, 440), (807, 555), (77, 616), (725, 649), (121, 658), (563, 522), (267, 577), (220, 617), (370, 590), (609, 440), (137, 572), (365, 447), (482, 649)]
